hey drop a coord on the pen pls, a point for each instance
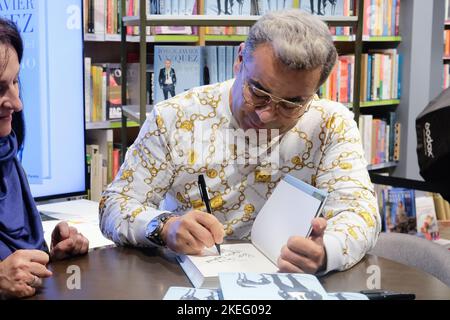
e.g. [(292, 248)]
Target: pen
[(205, 199)]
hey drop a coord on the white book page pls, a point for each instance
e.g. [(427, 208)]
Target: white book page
[(92, 233), (288, 212), (76, 210), (239, 257)]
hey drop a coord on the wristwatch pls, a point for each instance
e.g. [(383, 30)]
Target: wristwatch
[(155, 227)]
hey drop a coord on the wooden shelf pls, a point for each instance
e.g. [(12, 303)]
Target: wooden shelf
[(225, 38), (351, 38), (376, 103), (113, 124), (228, 20), (382, 166), (149, 39), (379, 103), (132, 111), (382, 39), (211, 37)]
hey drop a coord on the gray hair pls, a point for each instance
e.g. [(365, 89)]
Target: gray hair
[(300, 40)]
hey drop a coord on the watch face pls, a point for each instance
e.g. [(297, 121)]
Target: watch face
[(153, 226)]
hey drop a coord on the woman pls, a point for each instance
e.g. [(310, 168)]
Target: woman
[(23, 252)]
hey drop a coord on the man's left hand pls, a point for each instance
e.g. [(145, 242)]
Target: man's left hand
[(305, 255), (67, 241)]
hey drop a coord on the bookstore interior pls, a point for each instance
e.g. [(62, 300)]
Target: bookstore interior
[(125, 56)]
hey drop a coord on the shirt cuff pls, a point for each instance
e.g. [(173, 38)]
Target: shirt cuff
[(334, 253), (142, 221)]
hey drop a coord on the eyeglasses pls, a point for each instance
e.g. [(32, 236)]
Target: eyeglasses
[(259, 98)]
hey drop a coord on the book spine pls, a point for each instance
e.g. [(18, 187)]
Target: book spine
[(397, 141)]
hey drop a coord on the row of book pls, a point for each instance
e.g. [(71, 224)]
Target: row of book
[(381, 17), (380, 77), (446, 76), (446, 43), (442, 207), (190, 66), (193, 66), (102, 17), (103, 89), (103, 161), (240, 8), (380, 138), (408, 211)]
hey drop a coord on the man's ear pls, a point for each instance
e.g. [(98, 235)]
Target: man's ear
[(239, 57)]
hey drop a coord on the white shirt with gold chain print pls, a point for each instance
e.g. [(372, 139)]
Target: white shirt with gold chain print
[(187, 135)]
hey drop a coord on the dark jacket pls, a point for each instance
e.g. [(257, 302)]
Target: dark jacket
[(162, 76)]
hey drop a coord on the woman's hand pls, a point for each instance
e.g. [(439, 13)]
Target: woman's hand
[(22, 272)]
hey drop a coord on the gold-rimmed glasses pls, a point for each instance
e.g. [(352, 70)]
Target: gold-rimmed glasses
[(259, 98)]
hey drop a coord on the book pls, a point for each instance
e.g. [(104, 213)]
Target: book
[(185, 65), (439, 206), (271, 286), (427, 225), (399, 210), (113, 91), (262, 253), (186, 293), (334, 8), (262, 286)]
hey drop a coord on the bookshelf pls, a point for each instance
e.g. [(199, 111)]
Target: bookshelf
[(356, 44), (446, 51), (110, 124), (144, 21)]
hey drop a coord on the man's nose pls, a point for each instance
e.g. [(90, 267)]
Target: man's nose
[(267, 113)]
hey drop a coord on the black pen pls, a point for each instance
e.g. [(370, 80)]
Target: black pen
[(205, 199)]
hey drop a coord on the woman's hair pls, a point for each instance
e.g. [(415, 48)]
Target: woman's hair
[(299, 40), (11, 39)]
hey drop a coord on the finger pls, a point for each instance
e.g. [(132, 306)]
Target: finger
[(286, 266), (213, 225), (63, 249), (39, 270), (34, 281), (305, 247), (85, 246), (318, 227), (63, 230), (77, 243), (190, 245), (25, 291), (201, 234), (304, 263), (38, 256), (73, 231)]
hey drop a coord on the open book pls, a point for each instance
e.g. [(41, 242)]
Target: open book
[(288, 212)]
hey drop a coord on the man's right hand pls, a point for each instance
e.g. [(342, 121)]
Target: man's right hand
[(21, 273), (191, 232)]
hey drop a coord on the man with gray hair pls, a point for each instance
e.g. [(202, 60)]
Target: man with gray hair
[(287, 56)]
